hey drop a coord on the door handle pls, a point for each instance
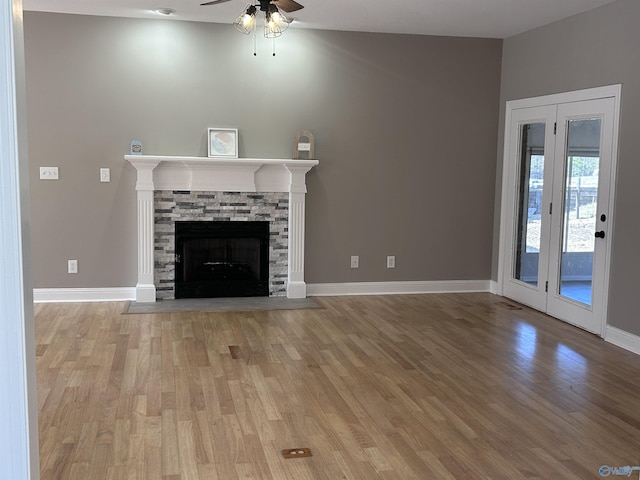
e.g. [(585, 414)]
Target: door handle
[(600, 234)]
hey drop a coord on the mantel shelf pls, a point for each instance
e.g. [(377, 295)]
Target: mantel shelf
[(163, 172), (215, 161)]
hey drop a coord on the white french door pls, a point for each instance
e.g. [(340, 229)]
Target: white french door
[(560, 155)]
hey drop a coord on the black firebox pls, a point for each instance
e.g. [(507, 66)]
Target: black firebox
[(222, 259)]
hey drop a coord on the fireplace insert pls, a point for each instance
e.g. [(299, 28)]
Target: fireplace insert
[(221, 259)]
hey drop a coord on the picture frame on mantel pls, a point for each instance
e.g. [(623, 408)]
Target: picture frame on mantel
[(222, 142)]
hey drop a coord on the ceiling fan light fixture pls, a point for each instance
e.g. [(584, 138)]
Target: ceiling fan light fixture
[(276, 15), (246, 20), (275, 22)]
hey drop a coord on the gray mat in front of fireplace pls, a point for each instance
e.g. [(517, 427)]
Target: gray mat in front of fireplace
[(222, 304)]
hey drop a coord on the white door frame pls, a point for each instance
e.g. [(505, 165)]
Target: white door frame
[(18, 402), (610, 91)]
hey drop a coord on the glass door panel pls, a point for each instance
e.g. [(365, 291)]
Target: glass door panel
[(529, 203), (531, 150), (582, 167), (580, 226)]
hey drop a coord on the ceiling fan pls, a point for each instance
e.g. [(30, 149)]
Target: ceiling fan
[(275, 21), (284, 5)]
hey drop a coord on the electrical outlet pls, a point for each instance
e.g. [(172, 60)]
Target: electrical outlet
[(391, 261), (72, 266), (105, 175), (355, 261), (49, 173)]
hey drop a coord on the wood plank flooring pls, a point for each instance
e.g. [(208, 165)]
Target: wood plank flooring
[(394, 387)]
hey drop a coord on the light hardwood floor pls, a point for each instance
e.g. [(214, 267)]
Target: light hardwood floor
[(394, 387)]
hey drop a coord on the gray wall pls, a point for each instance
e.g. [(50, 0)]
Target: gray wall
[(405, 129), (596, 48)]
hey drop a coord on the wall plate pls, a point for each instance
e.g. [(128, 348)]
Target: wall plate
[(49, 173)]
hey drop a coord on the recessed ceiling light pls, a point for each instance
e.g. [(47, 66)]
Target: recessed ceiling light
[(165, 11)]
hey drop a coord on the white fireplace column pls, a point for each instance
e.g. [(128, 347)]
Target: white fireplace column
[(227, 175), (296, 286), (145, 288)]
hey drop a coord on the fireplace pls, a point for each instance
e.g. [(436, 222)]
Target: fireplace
[(230, 208), (207, 177), (221, 259)]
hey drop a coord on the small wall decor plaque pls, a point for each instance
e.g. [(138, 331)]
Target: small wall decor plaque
[(303, 146), (223, 142), (136, 147)]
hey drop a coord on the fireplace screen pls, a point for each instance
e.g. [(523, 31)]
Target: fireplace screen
[(222, 259)]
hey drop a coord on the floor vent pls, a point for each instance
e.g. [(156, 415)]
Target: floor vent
[(296, 453), (509, 306)]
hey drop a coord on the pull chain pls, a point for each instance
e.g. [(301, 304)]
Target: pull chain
[(255, 34)]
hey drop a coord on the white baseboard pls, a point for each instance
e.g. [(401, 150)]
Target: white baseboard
[(493, 288), (57, 295), (622, 339), (396, 288)]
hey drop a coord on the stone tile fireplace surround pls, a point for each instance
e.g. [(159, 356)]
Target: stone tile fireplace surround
[(171, 188)]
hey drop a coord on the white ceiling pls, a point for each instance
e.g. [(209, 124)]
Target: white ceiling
[(467, 18)]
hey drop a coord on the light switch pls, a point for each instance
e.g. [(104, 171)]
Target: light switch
[(105, 175)]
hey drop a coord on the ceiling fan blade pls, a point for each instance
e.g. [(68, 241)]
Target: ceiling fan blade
[(288, 5), (214, 2)]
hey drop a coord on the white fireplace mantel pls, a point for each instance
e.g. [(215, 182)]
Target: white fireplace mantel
[(157, 172)]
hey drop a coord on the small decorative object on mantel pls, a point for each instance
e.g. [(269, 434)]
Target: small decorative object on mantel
[(303, 146), (223, 142), (136, 147)]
